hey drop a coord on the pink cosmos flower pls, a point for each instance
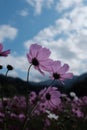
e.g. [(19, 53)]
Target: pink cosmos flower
[(42, 107), (78, 112), (39, 57), (21, 117), (59, 72), (3, 53), (51, 97), (32, 97), (13, 116)]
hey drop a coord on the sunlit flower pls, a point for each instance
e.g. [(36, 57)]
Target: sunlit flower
[(39, 57), (3, 53), (59, 72)]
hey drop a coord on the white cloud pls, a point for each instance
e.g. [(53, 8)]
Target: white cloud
[(67, 39), (18, 62), (39, 4), (67, 4), (78, 17), (13, 73), (7, 32), (24, 12)]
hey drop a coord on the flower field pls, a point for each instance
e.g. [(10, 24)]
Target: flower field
[(49, 109)]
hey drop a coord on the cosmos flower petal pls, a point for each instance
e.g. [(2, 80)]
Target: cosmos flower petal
[(46, 64), (34, 49), (56, 102), (5, 53), (64, 68), (56, 65), (44, 53), (68, 75), (53, 88), (29, 58)]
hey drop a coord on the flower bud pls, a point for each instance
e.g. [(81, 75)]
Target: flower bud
[(9, 67)]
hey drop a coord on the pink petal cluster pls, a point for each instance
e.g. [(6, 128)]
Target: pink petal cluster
[(51, 97), (39, 57), (59, 72), (3, 53), (48, 102), (32, 97)]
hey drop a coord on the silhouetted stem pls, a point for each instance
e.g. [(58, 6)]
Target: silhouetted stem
[(27, 92), (27, 95), (6, 73)]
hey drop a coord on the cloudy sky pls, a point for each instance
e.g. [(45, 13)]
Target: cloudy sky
[(60, 25)]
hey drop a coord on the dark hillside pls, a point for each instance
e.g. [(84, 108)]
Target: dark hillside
[(13, 86)]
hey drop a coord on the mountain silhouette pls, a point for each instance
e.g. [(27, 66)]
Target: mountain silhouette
[(12, 86), (80, 85)]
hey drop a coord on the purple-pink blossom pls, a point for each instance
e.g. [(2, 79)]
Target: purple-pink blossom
[(51, 97), (21, 117), (32, 97), (3, 53), (42, 107), (39, 57), (59, 72), (78, 112)]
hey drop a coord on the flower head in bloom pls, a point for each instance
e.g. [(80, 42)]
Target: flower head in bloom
[(3, 53), (51, 96), (59, 72), (21, 117), (42, 107), (78, 112), (39, 57), (32, 97)]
